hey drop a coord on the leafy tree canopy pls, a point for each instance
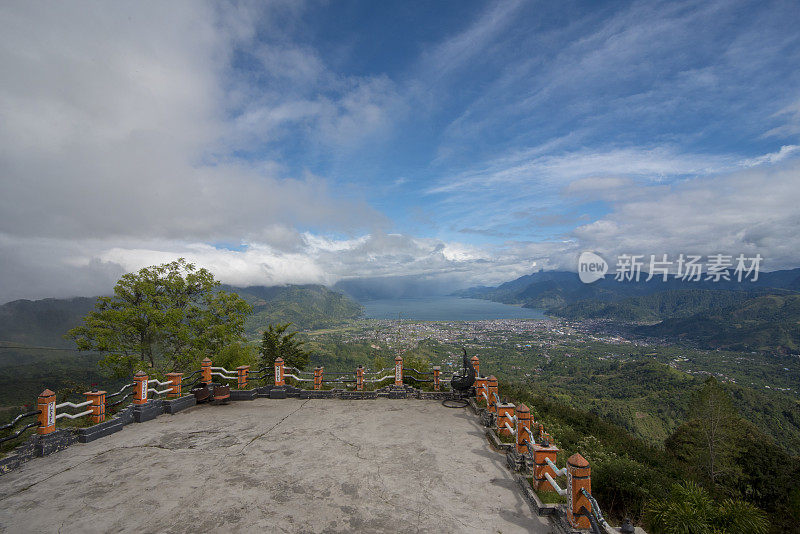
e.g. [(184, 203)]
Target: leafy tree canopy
[(690, 510), (276, 342), (165, 318)]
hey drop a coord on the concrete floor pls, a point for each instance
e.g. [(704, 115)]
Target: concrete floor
[(276, 466)]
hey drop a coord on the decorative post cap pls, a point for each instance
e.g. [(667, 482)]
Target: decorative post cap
[(47, 393), (206, 360), (278, 359), (523, 408), (475, 358), (398, 358), (437, 368), (492, 378), (576, 460), (243, 367), (140, 374)]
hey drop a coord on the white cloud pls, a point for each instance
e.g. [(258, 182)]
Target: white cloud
[(113, 121), (747, 211)]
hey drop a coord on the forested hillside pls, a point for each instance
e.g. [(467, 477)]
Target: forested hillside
[(306, 306), (42, 322), (770, 322)]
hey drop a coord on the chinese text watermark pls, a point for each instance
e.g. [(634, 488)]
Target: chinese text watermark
[(686, 267)]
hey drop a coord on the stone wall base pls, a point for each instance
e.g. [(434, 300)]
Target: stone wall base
[(243, 394), (106, 428), (55, 441), (173, 406), (148, 411)]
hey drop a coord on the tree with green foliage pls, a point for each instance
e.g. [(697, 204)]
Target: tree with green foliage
[(165, 318), (711, 438), (276, 342), (689, 509)]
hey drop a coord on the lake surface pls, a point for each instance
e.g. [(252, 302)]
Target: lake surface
[(446, 309)]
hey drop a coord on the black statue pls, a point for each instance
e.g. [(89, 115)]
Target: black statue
[(462, 383)]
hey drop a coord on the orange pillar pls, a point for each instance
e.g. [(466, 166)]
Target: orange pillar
[(175, 384), (205, 370), (505, 412), (398, 371), (477, 365), (46, 405), (279, 380), (139, 388), (98, 406), (578, 477), (492, 384), (318, 378), (523, 422), (480, 384), (436, 372), (360, 378), (242, 372), (540, 466)]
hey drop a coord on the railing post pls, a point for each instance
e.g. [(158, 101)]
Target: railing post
[(175, 384), (279, 380), (540, 467), (242, 372), (318, 378), (398, 371), (480, 388), (523, 422), (505, 413), (476, 363), (205, 370), (46, 404), (492, 383), (98, 406), (436, 372), (360, 378), (140, 388), (578, 477)]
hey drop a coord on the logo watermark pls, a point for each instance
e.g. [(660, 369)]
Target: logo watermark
[(686, 267), (591, 267)]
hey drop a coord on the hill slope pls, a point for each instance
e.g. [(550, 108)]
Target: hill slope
[(42, 322), (307, 306), (769, 322)]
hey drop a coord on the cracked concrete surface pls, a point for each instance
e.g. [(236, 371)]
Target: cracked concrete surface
[(285, 465)]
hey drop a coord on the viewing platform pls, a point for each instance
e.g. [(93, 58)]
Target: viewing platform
[(288, 465)]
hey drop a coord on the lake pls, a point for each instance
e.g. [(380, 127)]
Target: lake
[(446, 309)]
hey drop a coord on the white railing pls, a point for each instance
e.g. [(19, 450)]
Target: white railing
[(225, 377), (559, 489), (70, 416), (157, 382), (72, 405), (554, 467), (287, 375), (379, 380)]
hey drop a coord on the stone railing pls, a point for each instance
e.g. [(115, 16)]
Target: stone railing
[(530, 450), (533, 453)]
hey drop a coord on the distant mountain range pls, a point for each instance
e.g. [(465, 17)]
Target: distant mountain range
[(44, 322), (761, 315)]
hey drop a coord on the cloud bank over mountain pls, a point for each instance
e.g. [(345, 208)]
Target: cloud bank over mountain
[(272, 146)]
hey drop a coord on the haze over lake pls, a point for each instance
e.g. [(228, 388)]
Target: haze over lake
[(446, 309)]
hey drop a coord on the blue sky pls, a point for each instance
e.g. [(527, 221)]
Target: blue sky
[(480, 95), (286, 142)]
